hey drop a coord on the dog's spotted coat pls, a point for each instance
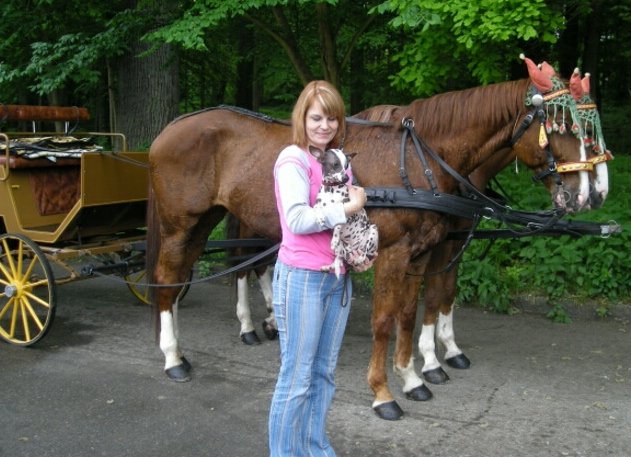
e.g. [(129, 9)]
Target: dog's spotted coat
[(355, 243)]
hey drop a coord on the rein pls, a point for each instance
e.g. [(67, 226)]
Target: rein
[(475, 205), (90, 270)]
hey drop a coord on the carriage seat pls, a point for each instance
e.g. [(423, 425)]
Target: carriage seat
[(16, 162), (43, 114)]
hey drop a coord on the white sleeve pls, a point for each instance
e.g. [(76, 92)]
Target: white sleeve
[(293, 192)]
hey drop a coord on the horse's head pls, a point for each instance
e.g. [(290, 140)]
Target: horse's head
[(551, 129), (597, 153)]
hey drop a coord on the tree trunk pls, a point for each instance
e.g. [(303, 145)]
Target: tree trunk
[(245, 66), (147, 94), (592, 49), (568, 44), (328, 49)]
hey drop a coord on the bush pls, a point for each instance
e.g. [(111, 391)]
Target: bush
[(588, 267)]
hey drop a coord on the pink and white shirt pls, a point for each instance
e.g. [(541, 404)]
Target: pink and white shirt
[(306, 232)]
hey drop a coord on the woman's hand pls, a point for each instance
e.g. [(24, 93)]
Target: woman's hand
[(357, 197)]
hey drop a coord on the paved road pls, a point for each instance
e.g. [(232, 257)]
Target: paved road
[(94, 387)]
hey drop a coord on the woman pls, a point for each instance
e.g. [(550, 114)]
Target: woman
[(311, 306)]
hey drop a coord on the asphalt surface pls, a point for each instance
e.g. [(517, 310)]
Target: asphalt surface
[(94, 386)]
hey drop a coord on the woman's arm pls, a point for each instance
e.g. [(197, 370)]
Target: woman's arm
[(293, 189)]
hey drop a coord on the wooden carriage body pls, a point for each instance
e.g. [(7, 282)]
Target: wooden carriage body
[(61, 211)]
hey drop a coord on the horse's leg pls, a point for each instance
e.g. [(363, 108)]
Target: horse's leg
[(440, 292), (176, 367), (247, 333), (445, 334), (179, 250), (235, 229), (390, 268), (413, 387), (264, 275)]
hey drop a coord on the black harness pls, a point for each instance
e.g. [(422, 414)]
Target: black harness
[(474, 205), (471, 204)]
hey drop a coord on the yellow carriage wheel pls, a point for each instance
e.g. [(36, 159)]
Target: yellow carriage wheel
[(27, 291), (137, 284)]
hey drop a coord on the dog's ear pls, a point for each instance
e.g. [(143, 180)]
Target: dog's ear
[(317, 153), (350, 155)]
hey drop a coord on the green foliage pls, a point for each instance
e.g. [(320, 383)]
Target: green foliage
[(559, 314), (465, 31), (615, 120), (559, 268), (55, 48), (189, 31), (209, 262)]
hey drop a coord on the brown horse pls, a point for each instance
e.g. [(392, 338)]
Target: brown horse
[(440, 289), (206, 164), (440, 284)]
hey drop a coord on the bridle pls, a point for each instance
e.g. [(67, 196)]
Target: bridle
[(588, 114), (581, 117), (539, 109)]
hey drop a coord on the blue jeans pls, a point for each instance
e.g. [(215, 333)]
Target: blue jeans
[(311, 320)]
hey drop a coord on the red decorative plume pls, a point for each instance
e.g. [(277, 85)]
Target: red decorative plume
[(547, 69), (539, 77), (576, 88)]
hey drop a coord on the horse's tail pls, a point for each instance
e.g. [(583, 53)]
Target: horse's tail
[(152, 242)]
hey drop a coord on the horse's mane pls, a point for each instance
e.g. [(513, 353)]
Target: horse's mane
[(439, 114), (491, 105), (379, 113)]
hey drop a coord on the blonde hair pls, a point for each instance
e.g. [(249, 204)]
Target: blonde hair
[(332, 105)]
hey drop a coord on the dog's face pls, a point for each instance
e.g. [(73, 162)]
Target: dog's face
[(334, 165)]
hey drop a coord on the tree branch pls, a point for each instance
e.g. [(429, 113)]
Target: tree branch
[(287, 42)]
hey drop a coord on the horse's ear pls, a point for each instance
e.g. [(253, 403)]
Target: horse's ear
[(316, 152)]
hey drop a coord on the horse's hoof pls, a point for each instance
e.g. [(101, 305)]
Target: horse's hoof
[(250, 338), (186, 364), (419, 393), (459, 361), (178, 373), (436, 376), (270, 332), (390, 411)]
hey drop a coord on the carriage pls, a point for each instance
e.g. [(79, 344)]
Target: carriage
[(71, 204)]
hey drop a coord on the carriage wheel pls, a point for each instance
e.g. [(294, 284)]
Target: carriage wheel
[(27, 291), (137, 284)]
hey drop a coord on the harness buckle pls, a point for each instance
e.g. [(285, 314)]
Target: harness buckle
[(407, 122)]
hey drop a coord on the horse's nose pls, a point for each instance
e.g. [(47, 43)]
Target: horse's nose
[(559, 200)]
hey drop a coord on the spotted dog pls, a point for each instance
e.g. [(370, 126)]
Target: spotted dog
[(355, 242)]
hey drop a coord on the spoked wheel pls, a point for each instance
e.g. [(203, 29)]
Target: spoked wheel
[(27, 291), (137, 283)]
